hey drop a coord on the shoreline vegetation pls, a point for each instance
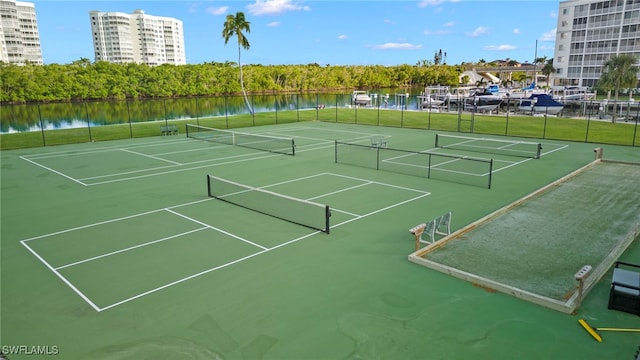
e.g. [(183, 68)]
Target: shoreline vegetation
[(83, 80)]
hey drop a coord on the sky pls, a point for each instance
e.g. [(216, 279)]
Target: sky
[(326, 32)]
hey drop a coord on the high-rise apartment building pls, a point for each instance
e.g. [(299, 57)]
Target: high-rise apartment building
[(138, 37), (589, 32), (19, 37)]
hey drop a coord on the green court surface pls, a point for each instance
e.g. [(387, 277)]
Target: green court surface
[(114, 250)]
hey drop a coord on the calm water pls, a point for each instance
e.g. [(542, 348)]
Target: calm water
[(37, 117)]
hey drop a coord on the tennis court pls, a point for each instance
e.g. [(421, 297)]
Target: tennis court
[(274, 242)]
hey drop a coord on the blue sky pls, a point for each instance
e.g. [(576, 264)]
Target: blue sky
[(359, 32)]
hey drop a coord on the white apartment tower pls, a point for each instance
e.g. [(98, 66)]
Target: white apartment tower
[(19, 37), (138, 37), (589, 32)]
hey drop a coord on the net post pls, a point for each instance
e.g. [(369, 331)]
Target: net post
[(209, 185), (377, 157), (490, 171), (538, 151), (186, 129), (436, 140), (335, 152), (327, 214), (293, 147)]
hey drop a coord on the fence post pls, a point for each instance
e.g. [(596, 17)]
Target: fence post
[(86, 111), (126, 101), (226, 111), (253, 111), (164, 103), (44, 142)]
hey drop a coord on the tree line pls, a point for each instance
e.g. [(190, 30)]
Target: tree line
[(86, 80)]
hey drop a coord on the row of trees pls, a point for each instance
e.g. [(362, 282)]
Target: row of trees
[(83, 80)]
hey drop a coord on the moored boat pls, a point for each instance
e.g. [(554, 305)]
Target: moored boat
[(574, 94), (541, 103), (482, 100), (361, 98)]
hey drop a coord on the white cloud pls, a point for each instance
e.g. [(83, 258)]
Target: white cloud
[(553, 14), (516, 31), (343, 37), (217, 10), (480, 30), (425, 3), (437, 32), (387, 21), (449, 24), (503, 47), (273, 24), (193, 8), (274, 7), (396, 46), (549, 35)]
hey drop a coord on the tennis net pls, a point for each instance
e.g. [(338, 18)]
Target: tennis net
[(454, 168), (298, 211), (273, 144), (491, 146)]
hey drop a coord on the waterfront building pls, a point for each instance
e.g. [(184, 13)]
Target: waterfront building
[(19, 36), (137, 37), (589, 33)]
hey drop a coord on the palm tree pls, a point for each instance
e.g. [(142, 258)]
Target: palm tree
[(234, 26), (619, 72), (547, 70)]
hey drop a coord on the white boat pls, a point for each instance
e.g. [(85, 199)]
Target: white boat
[(433, 96), (482, 100), (542, 104), (439, 92), (498, 90), (458, 94), (361, 98), (524, 93), (574, 94), (429, 102)]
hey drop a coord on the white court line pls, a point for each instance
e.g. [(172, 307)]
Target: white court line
[(213, 160), (211, 163), (179, 281), (379, 183), (53, 171), (69, 284), (381, 210), (150, 156), (68, 153), (341, 190), (131, 248), (114, 220), (180, 170), (312, 129), (216, 229)]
